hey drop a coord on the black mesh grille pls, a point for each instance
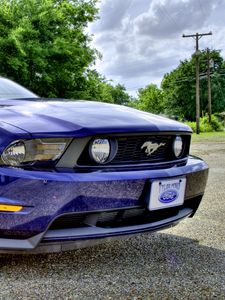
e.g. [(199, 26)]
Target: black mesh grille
[(112, 219), (120, 218), (130, 149)]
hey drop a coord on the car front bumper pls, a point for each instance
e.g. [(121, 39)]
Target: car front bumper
[(48, 196)]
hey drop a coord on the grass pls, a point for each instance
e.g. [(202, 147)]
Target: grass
[(214, 137)]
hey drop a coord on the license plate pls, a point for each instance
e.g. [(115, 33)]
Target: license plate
[(167, 193)]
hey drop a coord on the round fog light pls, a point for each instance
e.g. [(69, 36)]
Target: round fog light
[(178, 146), (100, 150)]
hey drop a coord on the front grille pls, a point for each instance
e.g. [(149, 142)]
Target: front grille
[(122, 217), (130, 150), (112, 219)]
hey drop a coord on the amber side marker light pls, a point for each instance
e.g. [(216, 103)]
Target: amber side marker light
[(10, 208)]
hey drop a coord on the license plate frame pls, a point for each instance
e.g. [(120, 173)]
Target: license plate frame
[(165, 193)]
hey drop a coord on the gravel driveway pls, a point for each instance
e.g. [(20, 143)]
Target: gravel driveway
[(185, 262)]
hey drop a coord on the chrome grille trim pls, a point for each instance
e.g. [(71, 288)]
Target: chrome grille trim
[(130, 152)]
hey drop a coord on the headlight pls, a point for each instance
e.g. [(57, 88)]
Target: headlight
[(100, 150), (14, 154), (30, 151), (178, 146)]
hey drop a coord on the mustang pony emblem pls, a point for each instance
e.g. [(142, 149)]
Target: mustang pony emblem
[(151, 147)]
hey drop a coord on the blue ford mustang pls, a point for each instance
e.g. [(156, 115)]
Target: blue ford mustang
[(75, 173)]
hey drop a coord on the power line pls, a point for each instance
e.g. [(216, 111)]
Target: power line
[(197, 37), (201, 7), (168, 15)]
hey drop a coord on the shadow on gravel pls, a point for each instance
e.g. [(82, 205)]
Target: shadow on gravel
[(149, 265)]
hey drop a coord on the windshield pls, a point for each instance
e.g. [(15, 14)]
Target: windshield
[(12, 90)]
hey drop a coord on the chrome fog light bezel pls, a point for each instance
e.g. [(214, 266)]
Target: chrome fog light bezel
[(178, 146), (96, 150), (112, 150)]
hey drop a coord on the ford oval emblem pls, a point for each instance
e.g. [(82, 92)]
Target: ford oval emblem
[(168, 196)]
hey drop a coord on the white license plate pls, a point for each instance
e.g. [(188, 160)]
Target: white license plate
[(167, 193)]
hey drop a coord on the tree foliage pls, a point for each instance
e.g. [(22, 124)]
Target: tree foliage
[(179, 87), (100, 89), (44, 46), (150, 99)]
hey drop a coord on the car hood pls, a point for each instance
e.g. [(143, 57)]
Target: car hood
[(81, 118)]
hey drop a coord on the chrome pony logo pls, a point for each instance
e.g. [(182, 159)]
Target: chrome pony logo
[(151, 147)]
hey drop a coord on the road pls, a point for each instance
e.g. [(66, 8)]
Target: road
[(185, 262)]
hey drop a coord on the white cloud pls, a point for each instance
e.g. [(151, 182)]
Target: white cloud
[(111, 15), (166, 18), (140, 40)]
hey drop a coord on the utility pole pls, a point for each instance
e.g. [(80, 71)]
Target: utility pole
[(209, 62), (197, 37)]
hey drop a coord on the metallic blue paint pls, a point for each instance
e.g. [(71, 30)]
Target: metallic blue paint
[(46, 195), (194, 165), (67, 119)]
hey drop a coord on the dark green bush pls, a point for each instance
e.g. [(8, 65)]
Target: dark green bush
[(205, 126)]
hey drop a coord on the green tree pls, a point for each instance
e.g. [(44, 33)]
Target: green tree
[(100, 89), (179, 87), (97, 88), (150, 99), (120, 95), (44, 45)]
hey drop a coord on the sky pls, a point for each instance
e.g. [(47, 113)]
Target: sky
[(141, 40)]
